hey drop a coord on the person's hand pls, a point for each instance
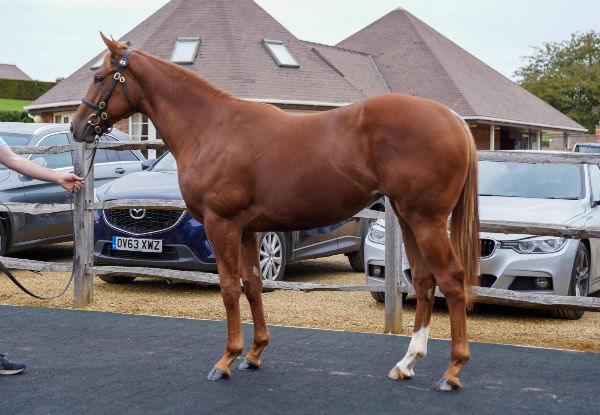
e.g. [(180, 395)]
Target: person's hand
[(70, 182)]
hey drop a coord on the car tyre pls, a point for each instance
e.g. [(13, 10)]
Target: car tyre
[(116, 279), (579, 285), (380, 296), (272, 255), (3, 241)]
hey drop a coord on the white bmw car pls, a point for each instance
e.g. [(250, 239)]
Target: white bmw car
[(524, 192)]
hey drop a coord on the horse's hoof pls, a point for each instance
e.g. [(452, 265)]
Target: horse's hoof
[(446, 385), (246, 364), (396, 373), (216, 374)]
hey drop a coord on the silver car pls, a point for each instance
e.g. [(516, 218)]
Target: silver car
[(22, 230), (523, 192)]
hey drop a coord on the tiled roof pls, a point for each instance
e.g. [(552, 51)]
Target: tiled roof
[(231, 54), (397, 53), (12, 72), (417, 60)]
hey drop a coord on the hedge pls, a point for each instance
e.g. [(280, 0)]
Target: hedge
[(21, 89), (14, 116)]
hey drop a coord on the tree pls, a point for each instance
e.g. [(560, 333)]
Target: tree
[(567, 76)]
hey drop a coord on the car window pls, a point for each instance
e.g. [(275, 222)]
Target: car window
[(531, 180), (120, 155), (595, 180), (58, 160), (166, 163), (14, 140)]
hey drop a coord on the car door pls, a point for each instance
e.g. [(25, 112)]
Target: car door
[(111, 164), (50, 225), (593, 220)]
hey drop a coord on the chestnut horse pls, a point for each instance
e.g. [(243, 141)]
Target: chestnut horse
[(246, 167)]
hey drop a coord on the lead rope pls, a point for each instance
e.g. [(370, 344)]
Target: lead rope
[(12, 277)]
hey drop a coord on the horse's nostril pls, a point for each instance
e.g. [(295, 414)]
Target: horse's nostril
[(71, 128)]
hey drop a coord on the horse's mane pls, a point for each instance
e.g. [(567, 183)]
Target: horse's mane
[(188, 75)]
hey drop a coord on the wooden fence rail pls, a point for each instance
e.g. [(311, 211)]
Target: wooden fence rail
[(84, 270)]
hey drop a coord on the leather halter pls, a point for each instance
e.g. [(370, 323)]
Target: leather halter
[(101, 115)]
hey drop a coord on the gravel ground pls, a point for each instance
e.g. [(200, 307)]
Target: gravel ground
[(351, 311)]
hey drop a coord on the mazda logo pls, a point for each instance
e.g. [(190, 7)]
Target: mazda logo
[(137, 213)]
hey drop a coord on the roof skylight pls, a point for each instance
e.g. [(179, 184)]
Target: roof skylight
[(97, 64), (185, 49), (280, 54)]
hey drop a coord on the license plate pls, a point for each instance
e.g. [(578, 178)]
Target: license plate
[(136, 244)]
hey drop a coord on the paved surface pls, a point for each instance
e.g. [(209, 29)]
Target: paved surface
[(83, 362)]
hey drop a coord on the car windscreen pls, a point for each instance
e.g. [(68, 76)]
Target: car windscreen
[(14, 140), (587, 149), (165, 163), (531, 180)]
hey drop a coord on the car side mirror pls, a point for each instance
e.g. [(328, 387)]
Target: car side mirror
[(148, 164)]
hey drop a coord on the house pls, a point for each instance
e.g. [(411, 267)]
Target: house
[(8, 71), (239, 47)]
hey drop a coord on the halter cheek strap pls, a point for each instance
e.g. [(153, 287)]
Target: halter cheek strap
[(101, 115)]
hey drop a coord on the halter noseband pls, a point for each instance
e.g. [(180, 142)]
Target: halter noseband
[(101, 115)]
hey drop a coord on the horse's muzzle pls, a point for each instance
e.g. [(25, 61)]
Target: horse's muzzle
[(82, 132)]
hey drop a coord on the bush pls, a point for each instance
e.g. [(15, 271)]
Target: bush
[(20, 89), (14, 116)]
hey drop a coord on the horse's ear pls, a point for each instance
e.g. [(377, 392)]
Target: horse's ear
[(114, 46)]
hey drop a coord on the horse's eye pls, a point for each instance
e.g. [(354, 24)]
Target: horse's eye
[(98, 79)]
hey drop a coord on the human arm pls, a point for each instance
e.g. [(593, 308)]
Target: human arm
[(26, 167)]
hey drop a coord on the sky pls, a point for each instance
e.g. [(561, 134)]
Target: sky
[(48, 39)]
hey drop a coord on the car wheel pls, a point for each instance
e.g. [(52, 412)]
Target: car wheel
[(116, 279), (357, 259), (3, 241), (272, 251), (580, 279), (380, 296)]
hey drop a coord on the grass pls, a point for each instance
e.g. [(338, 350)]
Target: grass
[(13, 104)]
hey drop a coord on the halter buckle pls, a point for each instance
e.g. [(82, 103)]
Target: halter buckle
[(122, 79), (101, 105), (117, 75)]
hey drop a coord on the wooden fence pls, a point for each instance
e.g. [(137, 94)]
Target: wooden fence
[(84, 269)]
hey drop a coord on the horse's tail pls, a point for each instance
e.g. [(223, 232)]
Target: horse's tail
[(464, 223)]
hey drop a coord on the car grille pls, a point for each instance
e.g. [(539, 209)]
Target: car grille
[(169, 253), (487, 247), (142, 221)]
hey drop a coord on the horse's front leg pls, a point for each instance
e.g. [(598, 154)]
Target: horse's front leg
[(225, 240), (250, 268)]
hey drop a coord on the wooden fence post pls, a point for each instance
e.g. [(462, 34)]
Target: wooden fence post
[(393, 268), (83, 228)]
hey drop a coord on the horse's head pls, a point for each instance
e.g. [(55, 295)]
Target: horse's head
[(110, 97)]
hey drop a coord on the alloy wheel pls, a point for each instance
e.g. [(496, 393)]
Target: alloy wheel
[(271, 256)]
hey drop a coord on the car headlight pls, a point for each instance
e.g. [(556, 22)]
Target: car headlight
[(539, 245), (376, 234)]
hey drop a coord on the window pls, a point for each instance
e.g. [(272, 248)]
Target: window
[(58, 160), (98, 63), (280, 54), (185, 49), (141, 128), (63, 117)]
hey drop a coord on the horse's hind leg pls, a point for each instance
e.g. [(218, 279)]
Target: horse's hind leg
[(439, 255), (250, 268), (225, 239), (424, 285)]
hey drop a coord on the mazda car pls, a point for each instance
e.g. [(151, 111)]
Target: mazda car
[(167, 238)]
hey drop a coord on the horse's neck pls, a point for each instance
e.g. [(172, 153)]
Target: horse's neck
[(178, 105)]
